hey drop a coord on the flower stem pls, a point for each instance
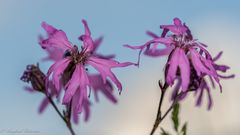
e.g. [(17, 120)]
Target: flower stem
[(160, 117), (65, 119)]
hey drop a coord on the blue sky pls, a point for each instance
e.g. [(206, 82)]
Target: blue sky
[(215, 22)]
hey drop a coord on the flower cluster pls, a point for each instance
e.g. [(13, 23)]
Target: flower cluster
[(188, 62), (189, 67)]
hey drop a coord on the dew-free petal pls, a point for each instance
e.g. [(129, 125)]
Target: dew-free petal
[(56, 38)]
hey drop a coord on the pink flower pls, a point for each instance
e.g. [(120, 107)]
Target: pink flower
[(97, 84), (188, 60), (70, 70)]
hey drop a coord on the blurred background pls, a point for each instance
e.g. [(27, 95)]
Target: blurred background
[(215, 23)]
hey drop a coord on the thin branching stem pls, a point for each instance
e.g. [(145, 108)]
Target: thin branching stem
[(161, 117), (65, 119)]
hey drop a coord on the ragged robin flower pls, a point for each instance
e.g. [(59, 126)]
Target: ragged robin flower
[(70, 70), (97, 84), (189, 63)]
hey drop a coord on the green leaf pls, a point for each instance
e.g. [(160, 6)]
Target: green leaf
[(175, 118), (184, 129), (164, 132)]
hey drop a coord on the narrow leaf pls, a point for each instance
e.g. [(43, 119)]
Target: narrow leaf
[(175, 118), (184, 129), (164, 132)]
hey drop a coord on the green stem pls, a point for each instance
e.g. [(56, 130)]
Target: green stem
[(65, 119), (161, 117)]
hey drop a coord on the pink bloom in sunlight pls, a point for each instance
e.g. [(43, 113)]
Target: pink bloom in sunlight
[(97, 84), (70, 70), (188, 60)]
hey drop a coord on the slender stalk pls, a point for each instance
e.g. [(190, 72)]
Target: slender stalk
[(65, 119), (161, 117), (158, 117), (37, 78)]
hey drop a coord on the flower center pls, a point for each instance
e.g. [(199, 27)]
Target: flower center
[(183, 40), (76, 56)]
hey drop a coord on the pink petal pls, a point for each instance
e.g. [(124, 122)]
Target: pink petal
[(54, 54), (209, 64), (226, 76), (97, 43), (166, 41), (172, 66), (110, 56), (134, 47), (86, 109), (88, 43), (53, 90), (57, 69), (177, 28), (87, 30), (177, 21), (103, 66), (151, 34), (212, 81), (83, 95), (98, 85), (179, 59), (58, 73), (204, 86), (77, 103), (184, 69), (204, 66), (56, 38), (75, 116), (158, 52), (75, 113), (43, 105), (72, 85), (200, 97), (141, 47), (210, 102), (197, 63), (29, 89), (176, 89), (207, 54), (218, 56), (222, 68), (48, 28), (79, 81), (164, 33)]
